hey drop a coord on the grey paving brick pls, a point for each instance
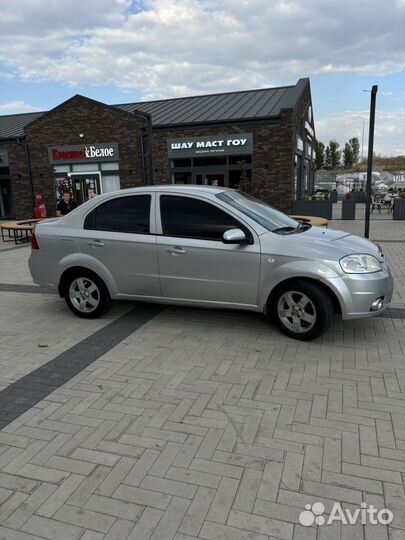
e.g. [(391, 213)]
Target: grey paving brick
[(115, 477), (143, 442), (368, 440), (141, 468), (372, 472), (247, 492), (213, 468), (351, 448), (10, 534), (51, 529), (11, 504), (114, 507), (165, 459), (209, 444), (261, 451), (332, 492), (16, 483), (332, 455), (95, 457), (171, 519), (92, 535), (120, 530), (223, 500), (146, 524), (44, 474), (87, 486), (312, 466), (60, 496), (143, 497), (84, 518), (214, 531), (197, 511), (344, 480), (193, 477), (277, 511), (383, 463), (239, 460), (385, 434), (291, 477), (270, 481), (171, 487), (260, 524)]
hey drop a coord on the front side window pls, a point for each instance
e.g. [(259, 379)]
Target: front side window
[(191, 218), (124, 214)]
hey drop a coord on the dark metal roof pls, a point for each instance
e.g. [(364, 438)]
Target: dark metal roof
[(227, 107), (12, 126)]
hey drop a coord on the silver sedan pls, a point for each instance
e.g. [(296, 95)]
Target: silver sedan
[(208, 247)]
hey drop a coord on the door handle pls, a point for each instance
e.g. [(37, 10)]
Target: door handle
[(95, 243), (176, 251)]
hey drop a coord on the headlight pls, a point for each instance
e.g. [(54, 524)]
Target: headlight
[(360, 264)]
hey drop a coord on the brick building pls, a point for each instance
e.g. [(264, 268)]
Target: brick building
[(261, 140)]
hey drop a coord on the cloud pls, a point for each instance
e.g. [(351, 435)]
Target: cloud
[(389, 132), (13, 107), (165, 48)]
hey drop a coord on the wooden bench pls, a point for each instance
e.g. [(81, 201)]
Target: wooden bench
[(312, 220), (18, 232)]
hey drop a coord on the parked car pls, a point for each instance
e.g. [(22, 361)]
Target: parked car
[(208, 247)]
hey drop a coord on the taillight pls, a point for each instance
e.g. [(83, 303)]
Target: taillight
[(34, 242)]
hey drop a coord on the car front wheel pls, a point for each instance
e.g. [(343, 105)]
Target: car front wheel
[(86, 295), (303, 311)]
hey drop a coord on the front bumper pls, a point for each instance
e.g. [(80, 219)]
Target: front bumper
[(357, 292)]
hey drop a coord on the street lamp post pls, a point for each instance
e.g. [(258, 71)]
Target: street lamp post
[(370, 160)]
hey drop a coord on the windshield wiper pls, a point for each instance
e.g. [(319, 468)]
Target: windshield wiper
[(304, 226), (285, 230)]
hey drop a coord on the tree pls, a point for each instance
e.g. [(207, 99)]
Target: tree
[(328, 163), (335, 154), (320, 155), (348, 156), (355, 146)]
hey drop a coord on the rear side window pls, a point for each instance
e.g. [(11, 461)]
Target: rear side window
[(124, 214), (191, 218)]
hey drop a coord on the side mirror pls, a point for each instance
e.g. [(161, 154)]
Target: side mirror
[(234, 236)]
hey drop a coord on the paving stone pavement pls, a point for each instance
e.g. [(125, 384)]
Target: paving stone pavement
[(201, 424)]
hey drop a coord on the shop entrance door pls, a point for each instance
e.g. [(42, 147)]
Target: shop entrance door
[(6, 200), (210, 179), (85, 186)]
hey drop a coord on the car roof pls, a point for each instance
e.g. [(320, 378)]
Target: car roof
[(175, 187)]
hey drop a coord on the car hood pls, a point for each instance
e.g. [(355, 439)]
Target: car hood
[(323, 243)]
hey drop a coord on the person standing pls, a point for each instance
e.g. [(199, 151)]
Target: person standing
[(65, 205)]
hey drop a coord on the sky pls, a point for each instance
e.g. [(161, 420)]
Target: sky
[(120, 51)]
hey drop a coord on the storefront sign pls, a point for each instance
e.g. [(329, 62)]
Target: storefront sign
[(221, 144), (83, 153), (3, 157)]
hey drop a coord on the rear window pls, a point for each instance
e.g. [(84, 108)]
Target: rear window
[(123, 214)]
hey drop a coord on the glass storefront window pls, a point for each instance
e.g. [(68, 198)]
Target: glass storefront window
[(84, 167), (61, 168), (181, 163), (182, 178), (110, 183), (110, 166), (235, 160)]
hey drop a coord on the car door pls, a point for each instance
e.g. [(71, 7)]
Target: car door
[(194, 263), (118, 234)]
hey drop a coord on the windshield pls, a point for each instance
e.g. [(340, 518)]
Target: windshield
[(267, 216)]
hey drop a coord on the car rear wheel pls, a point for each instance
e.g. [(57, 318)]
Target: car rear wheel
[(86, 295), (303, 311)]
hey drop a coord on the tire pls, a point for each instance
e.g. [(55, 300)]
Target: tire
[(86, 294), (302, 310)]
